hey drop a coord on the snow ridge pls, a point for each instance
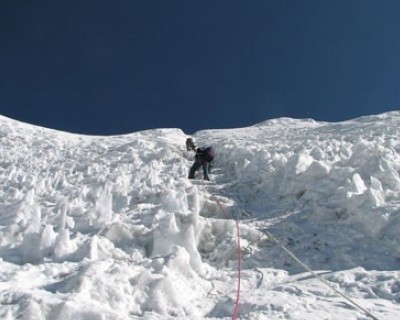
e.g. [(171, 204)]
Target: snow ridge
[(97, 227)]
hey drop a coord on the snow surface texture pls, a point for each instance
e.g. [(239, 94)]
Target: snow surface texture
[(101, 228)]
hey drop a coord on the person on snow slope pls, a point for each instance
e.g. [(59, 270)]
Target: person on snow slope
[(203, 158)]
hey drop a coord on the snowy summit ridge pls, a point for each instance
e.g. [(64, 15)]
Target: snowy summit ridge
[(97, 227)]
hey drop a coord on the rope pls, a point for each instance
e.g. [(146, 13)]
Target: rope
[(236, 309), (227, 216), (292, 255), (295, 258)]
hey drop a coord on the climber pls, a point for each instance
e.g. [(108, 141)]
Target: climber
[(190, 144), (203, 158)]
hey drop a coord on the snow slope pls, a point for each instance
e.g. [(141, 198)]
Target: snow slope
[(109, 227)]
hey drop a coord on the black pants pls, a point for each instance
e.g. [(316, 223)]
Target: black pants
[(196, 165)]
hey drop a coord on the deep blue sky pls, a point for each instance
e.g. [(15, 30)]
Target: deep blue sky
[(110, 67)]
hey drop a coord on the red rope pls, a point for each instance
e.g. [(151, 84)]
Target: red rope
[(236, 309)]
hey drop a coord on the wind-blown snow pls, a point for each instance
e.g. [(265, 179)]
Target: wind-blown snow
[(109, 227)]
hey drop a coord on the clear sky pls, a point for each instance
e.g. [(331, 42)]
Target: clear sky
[(111, 67)]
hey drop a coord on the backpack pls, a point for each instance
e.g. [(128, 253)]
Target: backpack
[(206, 153)]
